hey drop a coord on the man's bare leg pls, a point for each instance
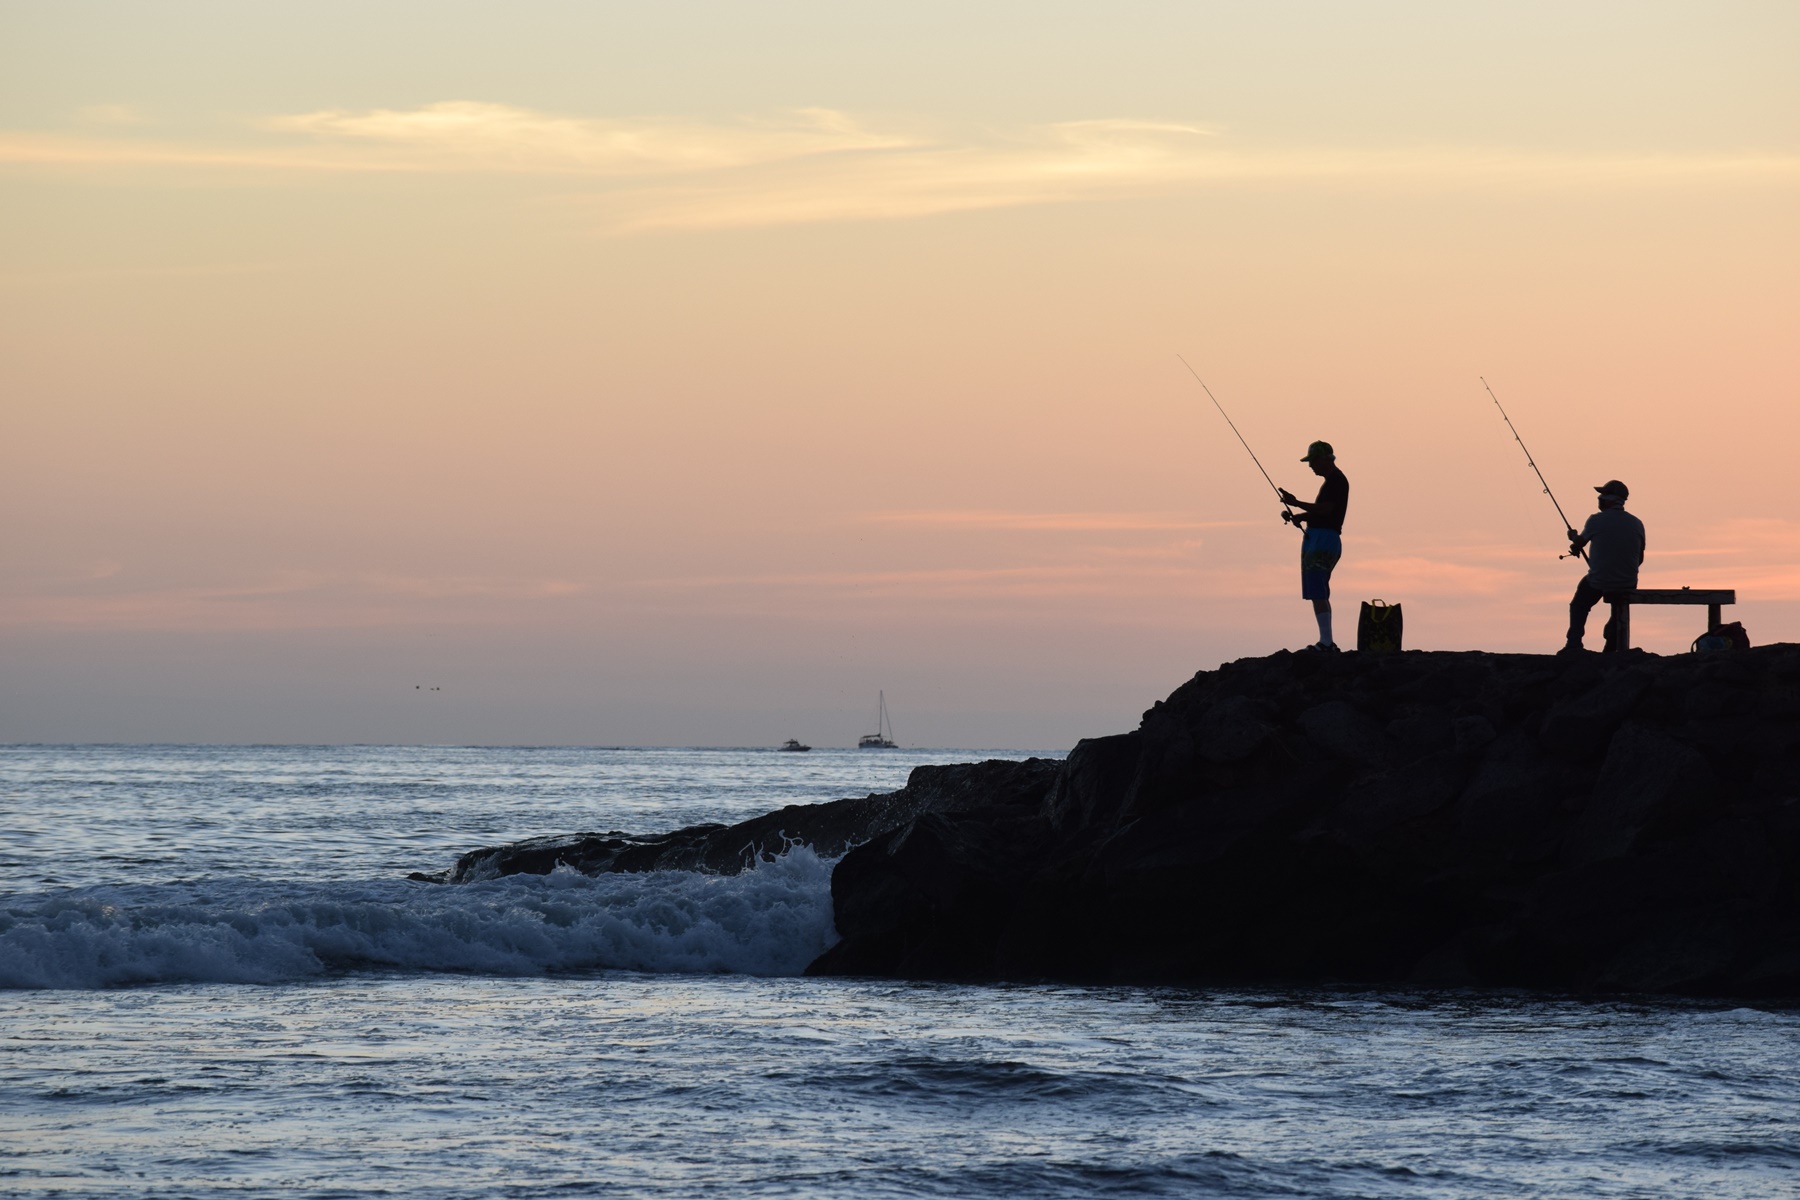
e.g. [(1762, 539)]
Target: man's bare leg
[(1322, 610)]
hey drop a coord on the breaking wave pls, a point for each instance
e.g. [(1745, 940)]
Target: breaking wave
[(772, 920)]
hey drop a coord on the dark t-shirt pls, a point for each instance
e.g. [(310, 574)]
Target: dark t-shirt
[(1327, 512), (1615, 550)]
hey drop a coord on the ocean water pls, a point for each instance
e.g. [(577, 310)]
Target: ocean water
[(215, 980)]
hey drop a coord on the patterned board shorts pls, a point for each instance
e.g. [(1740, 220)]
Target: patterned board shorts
[(1320, 550)]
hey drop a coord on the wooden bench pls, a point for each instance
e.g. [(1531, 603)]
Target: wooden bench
[(1618, 630)]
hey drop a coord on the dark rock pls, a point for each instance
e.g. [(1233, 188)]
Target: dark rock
[(1417, 789), (1471, 733), (907, 898), (830, 828), (1512, 809), (1578, 728), (1416, 736), (1460, 820), (1648, 779), (1685, 952), (1232, 730), (1347, 732), (1093, 780)]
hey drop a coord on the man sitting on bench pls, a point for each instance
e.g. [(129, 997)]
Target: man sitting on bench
[(1615, 542)]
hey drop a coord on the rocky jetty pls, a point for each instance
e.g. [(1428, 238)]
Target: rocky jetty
[(1598, 823), (830, 828), (1616, 823)]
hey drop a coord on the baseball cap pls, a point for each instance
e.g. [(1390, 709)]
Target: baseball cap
[(1318, 450), (1613, 487)]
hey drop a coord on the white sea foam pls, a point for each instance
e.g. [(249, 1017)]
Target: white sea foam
[(769, 921)]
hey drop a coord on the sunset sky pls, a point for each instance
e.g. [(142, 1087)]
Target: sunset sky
[(683, 374)]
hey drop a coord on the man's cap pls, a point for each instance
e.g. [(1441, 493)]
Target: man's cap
[(1613, 487), (1318, 450)]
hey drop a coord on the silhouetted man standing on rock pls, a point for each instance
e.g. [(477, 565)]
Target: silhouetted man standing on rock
[(1323, 521), (1614, 540)]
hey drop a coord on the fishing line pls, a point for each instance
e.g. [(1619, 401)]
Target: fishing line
[(1534, 467), (1287, 514)]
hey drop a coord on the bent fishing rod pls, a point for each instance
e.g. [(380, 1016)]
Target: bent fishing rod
[(1534, 467), (1287, 514)]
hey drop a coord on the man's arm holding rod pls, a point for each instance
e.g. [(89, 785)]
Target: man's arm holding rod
[(1293, 501)]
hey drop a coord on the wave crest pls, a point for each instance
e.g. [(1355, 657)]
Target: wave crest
[(772, 920)]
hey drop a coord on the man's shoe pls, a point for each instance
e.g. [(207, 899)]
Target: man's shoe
[(1570, 650), (1324, 647)]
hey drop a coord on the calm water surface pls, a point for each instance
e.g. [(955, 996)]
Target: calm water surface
[(221, 984)]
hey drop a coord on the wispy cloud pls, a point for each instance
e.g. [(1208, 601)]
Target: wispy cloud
[(469, 137), (819, 164), (1063, 165), (465, 135)]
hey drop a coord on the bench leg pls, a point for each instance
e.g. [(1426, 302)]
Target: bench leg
[(1618, 630), (1713, 618)]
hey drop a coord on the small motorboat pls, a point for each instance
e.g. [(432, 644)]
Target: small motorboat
[(794, 746)]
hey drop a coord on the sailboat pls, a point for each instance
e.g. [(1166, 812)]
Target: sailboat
[(883, 737)]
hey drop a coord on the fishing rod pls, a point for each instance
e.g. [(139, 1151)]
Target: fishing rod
[(1287, 514), (1534, 467)]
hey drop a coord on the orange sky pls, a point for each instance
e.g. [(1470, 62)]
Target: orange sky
[(684, 377)]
